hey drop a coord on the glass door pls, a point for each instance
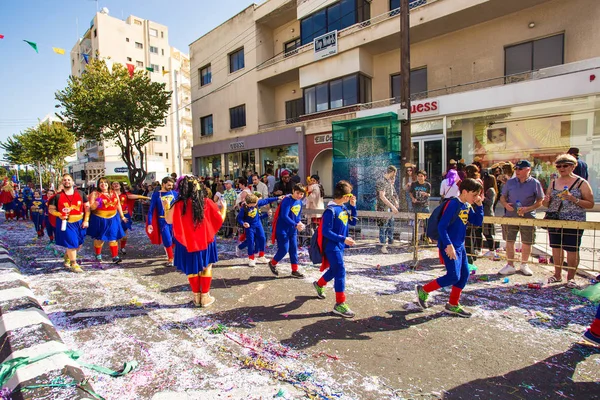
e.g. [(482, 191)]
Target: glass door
[(428, 155)]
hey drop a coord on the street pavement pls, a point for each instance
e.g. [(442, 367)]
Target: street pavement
[(268, 337)]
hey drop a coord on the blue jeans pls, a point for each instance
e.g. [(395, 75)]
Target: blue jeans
[(387, 231)]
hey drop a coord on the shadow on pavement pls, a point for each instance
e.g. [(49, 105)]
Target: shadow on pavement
[(551, 378)]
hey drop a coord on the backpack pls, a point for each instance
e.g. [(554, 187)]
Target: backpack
[(432, 225)]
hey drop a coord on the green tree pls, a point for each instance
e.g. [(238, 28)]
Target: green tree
[(13, 150), (104, 105)]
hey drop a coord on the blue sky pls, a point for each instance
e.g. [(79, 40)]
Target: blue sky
[(28, 80)]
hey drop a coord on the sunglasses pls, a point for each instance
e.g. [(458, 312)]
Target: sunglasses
[(348, 195), (563, 165)]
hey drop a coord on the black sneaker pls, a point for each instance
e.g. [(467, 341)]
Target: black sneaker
[(343, 310), (458, 310), (589, 337), (297, 274), (117, 259), (422, 297), (273, 269), (320, 290)]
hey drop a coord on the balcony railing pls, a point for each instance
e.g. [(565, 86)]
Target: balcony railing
[(344, 32)]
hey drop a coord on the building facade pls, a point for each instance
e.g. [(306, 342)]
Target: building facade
[(497, 80), (144, 44)]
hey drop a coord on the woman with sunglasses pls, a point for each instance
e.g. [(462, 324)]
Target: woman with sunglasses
[(568, 196)]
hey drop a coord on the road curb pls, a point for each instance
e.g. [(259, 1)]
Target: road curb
[(26, 330)]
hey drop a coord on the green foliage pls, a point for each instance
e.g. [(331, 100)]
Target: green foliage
[(110, 105), (13, 150)]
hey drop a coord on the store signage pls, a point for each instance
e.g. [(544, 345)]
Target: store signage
[(237, 146), (425, 107), (321, 139), (325, 45), (122, 170)]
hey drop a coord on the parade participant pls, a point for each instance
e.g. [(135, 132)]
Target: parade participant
[(592, 335), (70, 205), (286, 224), (105, 221), (452, 229), (50, 220), (20, 207), (7, 193), (38, 213), (158, 230), (28, 195), (333, 239), (127, 200), (249, 218), (196, 219)]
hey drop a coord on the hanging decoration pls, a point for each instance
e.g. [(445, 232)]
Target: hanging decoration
[(86, 58), (150, 69), (1, 36), (32, 44), (58, 51), (131, 69), (165, 72)]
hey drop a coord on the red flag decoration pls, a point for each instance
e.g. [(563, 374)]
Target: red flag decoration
[(131, 69), (1, 36)]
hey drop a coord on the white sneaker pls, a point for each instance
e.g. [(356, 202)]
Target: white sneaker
[(252, 263), (262, 260), (525, 270), (489, 254), (384, 249), (239, 252), (507, 270)]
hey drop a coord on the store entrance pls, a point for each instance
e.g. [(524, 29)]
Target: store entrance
[(428, 155)]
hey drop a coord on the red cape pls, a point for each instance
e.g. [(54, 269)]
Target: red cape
[(196, 238), (275, 218), (325, 263), (155, 237)]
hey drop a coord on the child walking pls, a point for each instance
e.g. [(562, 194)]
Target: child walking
[(249, 217), (452, 228), (286, 224), (333, 239)]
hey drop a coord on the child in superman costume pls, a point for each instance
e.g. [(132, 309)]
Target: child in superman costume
[(20, 207), (333, 239), (249, 218), (38, 213), (28, 195), (158, 230), (196, 219), (50, 220), (452, 228), (286, 224), (592, 335)]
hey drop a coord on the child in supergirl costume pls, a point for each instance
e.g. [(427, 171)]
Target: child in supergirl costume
[(333, 239), (127, 200), (196, 219), (105, 221), (452, 228), (249, 217), (38, 213), (158, 229), (286, 224)]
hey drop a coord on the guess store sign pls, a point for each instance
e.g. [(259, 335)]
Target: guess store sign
[(424, 108)]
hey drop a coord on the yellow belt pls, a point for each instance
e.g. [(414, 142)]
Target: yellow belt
[(75, 218), (105, 214)]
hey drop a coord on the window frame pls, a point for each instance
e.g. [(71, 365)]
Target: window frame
[(232, 61), (360, 13), (201, 74), (139, 45), (363, 87), (294, 109), (297, 42), (153, 48), (414, 70), (150, 30), (203, 131), (532, 44), (241, 109), (157, 69)]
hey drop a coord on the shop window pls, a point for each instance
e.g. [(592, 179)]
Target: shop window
[(418, 83), (578, 127), (205, 75), (279, 159), (290, 48), (342, 92), (236, 60), (337, 16), (293, 110), (206, 125), (533, 55), (209, 166), (237, 117)]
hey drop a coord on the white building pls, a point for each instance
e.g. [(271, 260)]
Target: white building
[(144, 44)]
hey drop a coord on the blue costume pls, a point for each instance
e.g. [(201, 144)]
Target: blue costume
[(20, 207), (74, 235), (255, 234), (285, 232), (38, 215), (453, 231), (156, 217), (334, 224), (28, 195), (105, 221)]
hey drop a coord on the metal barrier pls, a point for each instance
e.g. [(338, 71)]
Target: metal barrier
[(540, 250)]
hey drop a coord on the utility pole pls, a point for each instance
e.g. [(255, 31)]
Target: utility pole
[(405, 135), (178, 150)]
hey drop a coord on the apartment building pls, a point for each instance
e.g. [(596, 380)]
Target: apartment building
[(494, 80), (145, 44)]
